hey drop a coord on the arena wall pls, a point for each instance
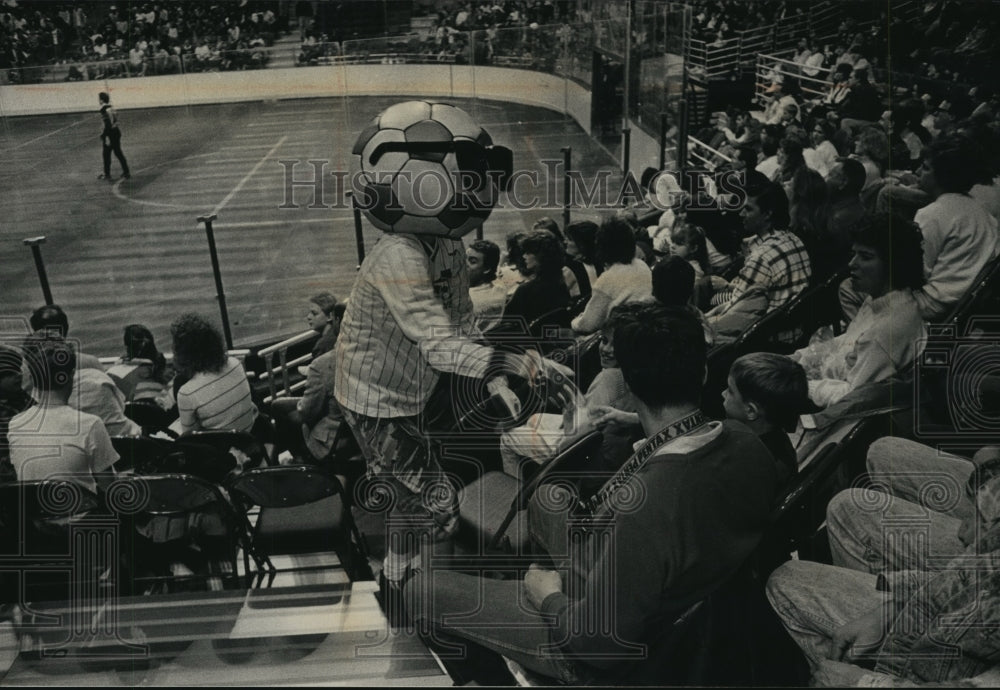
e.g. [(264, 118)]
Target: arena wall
[(438, 81), (644, 150)]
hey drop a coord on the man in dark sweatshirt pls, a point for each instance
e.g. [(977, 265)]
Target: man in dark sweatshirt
[(671, 526)]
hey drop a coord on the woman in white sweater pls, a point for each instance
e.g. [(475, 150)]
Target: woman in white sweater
[(625, 278), (888, 331)]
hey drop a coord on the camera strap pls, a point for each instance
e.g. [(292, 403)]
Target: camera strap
[(682, 427)]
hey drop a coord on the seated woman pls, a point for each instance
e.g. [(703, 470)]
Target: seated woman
[(541, 436), (544, 291), (624, 279), (509, 272), (141, 373), (216, 393), (574, 274), (886, 334), (581, 246), (872, 149)]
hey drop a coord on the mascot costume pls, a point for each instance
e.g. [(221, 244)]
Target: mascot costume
[(426, 174)]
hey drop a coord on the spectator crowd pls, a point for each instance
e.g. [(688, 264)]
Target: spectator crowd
[(138, 39), (884, 204)]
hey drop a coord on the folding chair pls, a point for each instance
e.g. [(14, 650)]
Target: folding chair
[(546, 329), (790, 327), (497, 502), (783, 330), (173, 495), (982, 298), (35, 533), (835, 465), (244, 448), (136, 451), (150, 416), (302, 510)]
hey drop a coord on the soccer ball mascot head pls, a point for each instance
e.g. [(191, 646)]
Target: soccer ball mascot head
[(427, 169)]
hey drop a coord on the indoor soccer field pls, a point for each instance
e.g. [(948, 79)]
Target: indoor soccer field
[(132, 251)]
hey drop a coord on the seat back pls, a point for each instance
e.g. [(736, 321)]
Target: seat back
[(190, 458), (584, 358), (802, 509), (783, 330), (302, 510), (46, 499), (489, 415), (480, 512), (282, 487), (150, 416), (577, 305), (952, 373), (245, 449), (35, 523), (139, 451), (34, 515), (568, 464), (720, 359), (982, 298), (545, 330), (789, 327), (164, 494)]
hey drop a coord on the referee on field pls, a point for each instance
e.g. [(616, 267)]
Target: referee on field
[(111, 138), (409, 318)]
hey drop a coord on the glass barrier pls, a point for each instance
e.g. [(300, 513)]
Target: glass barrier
[(563, 50), (659, 50)]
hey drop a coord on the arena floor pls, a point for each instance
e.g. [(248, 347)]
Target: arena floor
[(132, 251)]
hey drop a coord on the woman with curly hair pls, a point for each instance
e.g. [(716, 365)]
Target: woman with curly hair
[(872, 149), (885, 336), (216, 394)]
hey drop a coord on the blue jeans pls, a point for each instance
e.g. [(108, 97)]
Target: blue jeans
[(813, 600), (495, 614), (912, 521)]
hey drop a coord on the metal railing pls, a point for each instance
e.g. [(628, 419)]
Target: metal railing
[(752, 43), (713, 61), (825, 21), (769, 66), (284, 367), (124, 68), (702, 155), (788, 31)]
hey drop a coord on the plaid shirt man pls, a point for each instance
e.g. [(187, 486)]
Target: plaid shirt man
[(778, 262)]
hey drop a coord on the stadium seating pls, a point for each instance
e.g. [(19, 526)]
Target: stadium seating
[(783, 330), (493, 509), (150, 416), (301, 510)]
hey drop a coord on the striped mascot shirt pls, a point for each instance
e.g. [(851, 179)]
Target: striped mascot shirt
[(409, 316)]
